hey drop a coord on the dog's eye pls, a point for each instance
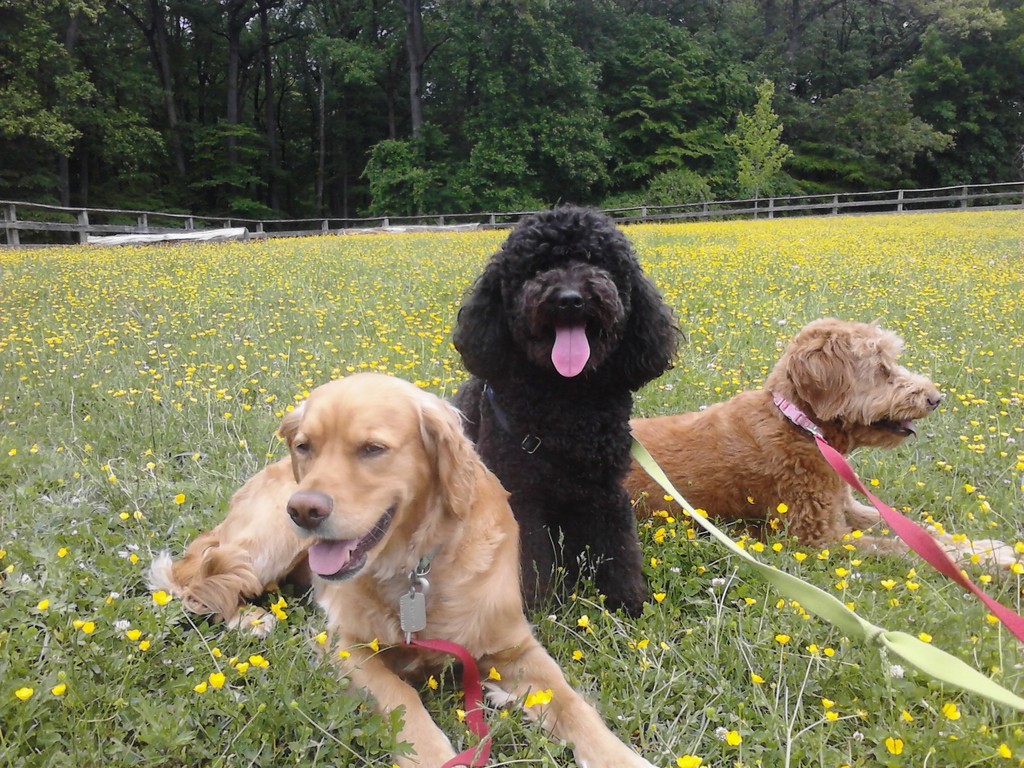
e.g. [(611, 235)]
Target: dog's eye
[(371, 449), (884, 371), (301, 447)]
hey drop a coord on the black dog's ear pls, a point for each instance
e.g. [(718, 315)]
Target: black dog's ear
[(482, 335), (649, 343)]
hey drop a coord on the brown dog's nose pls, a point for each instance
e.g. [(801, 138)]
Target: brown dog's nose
[(308, 509), (935, 400)]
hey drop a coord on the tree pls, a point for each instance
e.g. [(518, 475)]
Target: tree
[(151, 18), (668, 102), (971, 87), (519, 105), (873, 141), (42, 85), (401, 183), (760, 152), (275, 106)]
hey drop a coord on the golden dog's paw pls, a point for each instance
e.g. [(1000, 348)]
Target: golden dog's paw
[(257, 621), (632, 761), (612, 755), (991, 553)]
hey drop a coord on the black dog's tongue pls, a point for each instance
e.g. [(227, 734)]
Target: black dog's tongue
[(571, 350)]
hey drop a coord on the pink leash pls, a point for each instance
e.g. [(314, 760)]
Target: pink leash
[(915, 537), (475, 757)]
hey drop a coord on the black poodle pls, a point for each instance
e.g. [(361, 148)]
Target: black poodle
[(559, 331)]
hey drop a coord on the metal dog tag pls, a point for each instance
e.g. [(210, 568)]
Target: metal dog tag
[(412, 612)]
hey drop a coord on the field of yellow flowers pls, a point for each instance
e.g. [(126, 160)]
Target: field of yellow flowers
[(140, 386)]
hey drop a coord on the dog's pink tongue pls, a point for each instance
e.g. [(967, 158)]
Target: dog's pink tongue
[(329, 557), (571, 351)]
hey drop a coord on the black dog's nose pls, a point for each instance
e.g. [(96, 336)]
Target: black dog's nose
[(308, 509), (934, 402), (570, 299)]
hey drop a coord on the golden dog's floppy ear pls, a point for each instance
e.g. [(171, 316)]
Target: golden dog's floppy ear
[(290, 426), (819, 368), (455, 460)]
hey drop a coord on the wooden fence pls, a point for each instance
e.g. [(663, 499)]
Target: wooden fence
[(48, 224)]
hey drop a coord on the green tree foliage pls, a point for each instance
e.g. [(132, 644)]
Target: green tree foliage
[(875, 140), (41, 83), (760, 151), (305, 107), (676, 187), (972, 88), (530, 128), (668, 103)]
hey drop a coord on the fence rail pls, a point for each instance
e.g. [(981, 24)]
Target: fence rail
[(49, 224)]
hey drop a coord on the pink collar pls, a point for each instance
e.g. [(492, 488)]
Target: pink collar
[(797, 416)]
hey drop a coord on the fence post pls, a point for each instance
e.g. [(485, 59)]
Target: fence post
[(771, 207), (13, 238), (963, 197), (83, 226), (142, 220), (835, 205), (899, 201), (189, 224)]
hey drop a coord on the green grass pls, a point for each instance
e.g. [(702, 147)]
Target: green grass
[(140, 386)]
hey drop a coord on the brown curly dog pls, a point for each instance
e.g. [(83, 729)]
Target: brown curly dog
[(741, 459)]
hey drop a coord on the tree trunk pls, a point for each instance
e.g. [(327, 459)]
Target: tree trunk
[(321, 131), (162, 57), (154, 29), (270, 113), (63, 166), (236, 21), (64, 180), (231, 89), (416, 48)]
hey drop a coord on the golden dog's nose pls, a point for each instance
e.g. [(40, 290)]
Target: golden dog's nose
[(308, 509)]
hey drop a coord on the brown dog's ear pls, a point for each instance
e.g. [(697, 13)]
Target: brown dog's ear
[(821, 373), (289, 428), (455, 460)]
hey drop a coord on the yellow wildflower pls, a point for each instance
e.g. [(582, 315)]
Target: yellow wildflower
[(538, 697)]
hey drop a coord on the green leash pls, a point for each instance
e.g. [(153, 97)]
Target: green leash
[(926, 658)]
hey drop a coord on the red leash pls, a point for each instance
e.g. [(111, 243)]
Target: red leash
[(475, 757), (915, 537)]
